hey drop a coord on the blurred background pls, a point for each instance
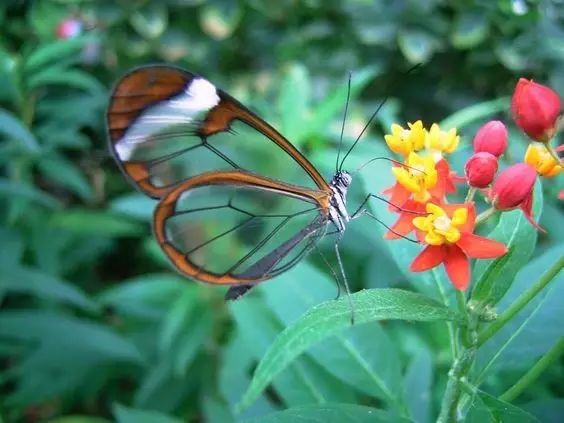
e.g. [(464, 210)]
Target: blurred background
[(94, 321)]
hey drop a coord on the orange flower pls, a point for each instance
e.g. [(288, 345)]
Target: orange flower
[(448, 233), (538, 156)]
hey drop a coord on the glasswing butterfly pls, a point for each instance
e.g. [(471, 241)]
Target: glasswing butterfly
[(238, 203)]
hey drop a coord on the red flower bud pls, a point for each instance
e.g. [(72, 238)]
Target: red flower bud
[(536, 109), (68, 28), (480, 169), (513, 186), (561, 195), (491, 138)]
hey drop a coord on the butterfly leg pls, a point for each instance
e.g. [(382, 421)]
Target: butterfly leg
[(344, 276), (332, 272)]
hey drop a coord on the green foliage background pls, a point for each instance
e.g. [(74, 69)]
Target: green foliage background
[(93, 320)]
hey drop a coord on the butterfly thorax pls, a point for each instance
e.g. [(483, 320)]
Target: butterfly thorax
[(338, 213)]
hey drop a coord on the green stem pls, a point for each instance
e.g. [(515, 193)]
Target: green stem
[(456, 375), (459, 371), (553, 153), (470, 195), (450, 326), (484, 215), (522, 301), (535, 371)]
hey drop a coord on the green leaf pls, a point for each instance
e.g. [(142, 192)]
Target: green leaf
[(304, 381), (474, 113), (145, 296), (487, 408), (136, 205), (418, 385), (332, 317), (55, 52), (469, 30), (334, 103), (331, 413), (91, 222), (12, 127), (534, 330), (293, 102), (234, 377), (71, 78), (18, 190), (364, 357), (12, 247), (78, 419), (549, 410), (88, 347), (66, 174), (220, 19), (496, 276), (25, 280), (151, 20), (132, 415), (417, 46)]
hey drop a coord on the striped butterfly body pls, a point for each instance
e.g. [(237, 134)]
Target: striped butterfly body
[(238, 203)]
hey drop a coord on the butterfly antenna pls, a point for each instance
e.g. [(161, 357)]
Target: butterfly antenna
[(344, 120), (373, 116), (397, 162)]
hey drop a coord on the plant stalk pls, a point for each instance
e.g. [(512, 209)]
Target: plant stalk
[(522, 301)]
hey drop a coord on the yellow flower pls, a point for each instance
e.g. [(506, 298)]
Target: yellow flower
[(418, 176), (404, 141), (439, 141), (539, 158), (439, 227)]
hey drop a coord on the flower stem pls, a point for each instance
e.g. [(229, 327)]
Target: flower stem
[(535, 371), (484, 215), (522, 301), (553, 153), (456, 376), (470, 195)]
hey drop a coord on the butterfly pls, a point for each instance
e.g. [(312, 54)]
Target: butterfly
[(238, 204)]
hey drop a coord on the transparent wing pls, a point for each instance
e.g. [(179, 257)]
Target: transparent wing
[(221, 229), (167, 125)]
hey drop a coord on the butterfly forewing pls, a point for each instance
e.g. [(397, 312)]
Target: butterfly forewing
[(234, 228), (167, 125)]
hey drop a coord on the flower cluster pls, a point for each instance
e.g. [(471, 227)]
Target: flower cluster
[(424, 179)]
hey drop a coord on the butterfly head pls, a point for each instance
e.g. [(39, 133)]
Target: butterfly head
[(342, 178)]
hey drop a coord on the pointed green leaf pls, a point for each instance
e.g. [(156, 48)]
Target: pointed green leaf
[(89, 222), (469, 29), (12, 127), (364, 357), (13, 190), (535, 329), (293, 102), (332, 317), (56, 51), (331, 413), (34, 282), (132, 415), (487, 408), (494, 277)]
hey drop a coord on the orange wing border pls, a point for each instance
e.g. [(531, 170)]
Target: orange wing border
[(166, 209)]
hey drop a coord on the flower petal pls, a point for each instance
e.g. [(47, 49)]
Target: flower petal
[(403, 226), (430, 257), (477, 246), (457, 267)]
